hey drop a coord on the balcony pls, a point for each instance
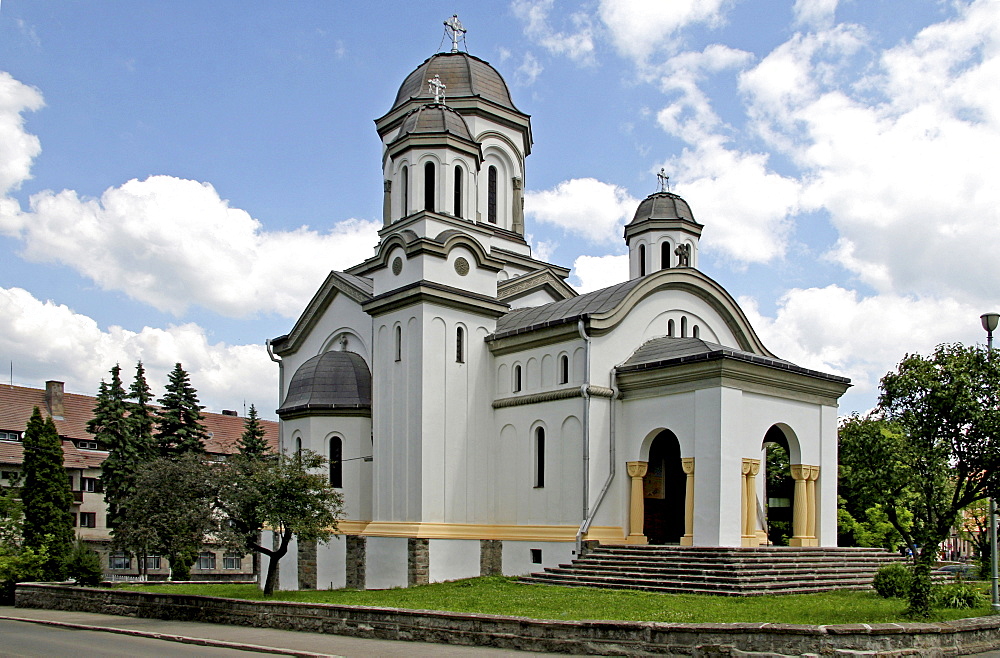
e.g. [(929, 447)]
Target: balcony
[(77, 497)]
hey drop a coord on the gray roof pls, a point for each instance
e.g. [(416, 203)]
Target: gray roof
[(464, 75), (669, 351), (362, 283), (561, 312), (434, 119), (663, 205), (332, 380)]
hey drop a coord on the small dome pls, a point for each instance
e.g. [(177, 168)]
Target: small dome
[(663, 205), (465, 76), (434, 119), (332, 380)]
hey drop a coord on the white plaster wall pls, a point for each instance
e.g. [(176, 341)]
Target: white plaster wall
[(331, 563), (452, 559), (385, 562), (517, 556), (288, 567)]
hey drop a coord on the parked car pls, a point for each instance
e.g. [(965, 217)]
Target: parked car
[(963, 570)]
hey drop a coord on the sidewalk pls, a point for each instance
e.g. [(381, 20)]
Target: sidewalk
[(245, 638)]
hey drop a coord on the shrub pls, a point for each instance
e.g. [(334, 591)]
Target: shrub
[(893, 580), (84, 565), (957, 595), (18, 566)]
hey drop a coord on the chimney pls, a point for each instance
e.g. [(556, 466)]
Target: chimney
[(54, 399), (229, 412)]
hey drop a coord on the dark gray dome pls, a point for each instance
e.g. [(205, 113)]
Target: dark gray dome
[(663, 205), (332, 380), (465, 76), (434, 119)]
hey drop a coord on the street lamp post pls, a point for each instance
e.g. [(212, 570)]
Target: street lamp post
[(990, 321)]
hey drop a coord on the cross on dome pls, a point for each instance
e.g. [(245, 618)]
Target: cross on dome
[(436, 87), (453, 28), (664, 180)]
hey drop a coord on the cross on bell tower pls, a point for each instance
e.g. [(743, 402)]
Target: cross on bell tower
[(453, 28), (664, 180), (436, 87)]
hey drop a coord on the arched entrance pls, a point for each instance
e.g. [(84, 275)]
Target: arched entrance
[(779, 487), (664, 491)]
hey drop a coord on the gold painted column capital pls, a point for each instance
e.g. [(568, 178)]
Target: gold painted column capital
[(637, 469), (687, 464)]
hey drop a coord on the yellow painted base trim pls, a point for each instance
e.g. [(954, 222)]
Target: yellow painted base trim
[(687, 540), (803, 541), (603, 534), (750, 541), (636, 539)]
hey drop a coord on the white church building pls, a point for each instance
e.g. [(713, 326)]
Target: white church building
[(481, 417)]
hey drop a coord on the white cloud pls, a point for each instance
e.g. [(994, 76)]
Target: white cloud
[(817, 13), (640, 28), (171, 242), (528, 71), (596, 272), (587, 207), (18, 148), (838, 331), (70, 347), (578, 45)]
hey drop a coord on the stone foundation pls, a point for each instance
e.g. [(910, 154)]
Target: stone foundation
[(307, 564), (356, 563), (417, 562), (963, 636), (490, 557)]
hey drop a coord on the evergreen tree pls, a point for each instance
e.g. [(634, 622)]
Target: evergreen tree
[(252, 442), (141, 414), (179, 428), (46, 496)]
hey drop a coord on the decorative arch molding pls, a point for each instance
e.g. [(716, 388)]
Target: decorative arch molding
[(355, 343), (791, 441), (499, 136)]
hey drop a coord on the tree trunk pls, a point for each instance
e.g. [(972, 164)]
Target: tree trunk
[(272, 564), (920, 590)]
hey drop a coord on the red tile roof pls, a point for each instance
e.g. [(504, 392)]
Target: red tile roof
[(18, 402)]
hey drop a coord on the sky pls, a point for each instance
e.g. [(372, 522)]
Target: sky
[(177, 179)]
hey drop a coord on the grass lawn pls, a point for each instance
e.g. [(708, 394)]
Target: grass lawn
[(504, 596)]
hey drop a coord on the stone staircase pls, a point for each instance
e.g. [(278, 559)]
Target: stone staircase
[(719, 570)]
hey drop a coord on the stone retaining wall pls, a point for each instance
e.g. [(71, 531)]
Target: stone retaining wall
[(578, 637)]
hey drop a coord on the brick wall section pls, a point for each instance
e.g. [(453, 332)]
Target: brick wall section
[(490, 557), (577, 637), (307, 564), (356, 565), (417, 562)]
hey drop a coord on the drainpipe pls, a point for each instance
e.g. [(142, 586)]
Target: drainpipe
[(281, 389), (585, 394), (585, 526)]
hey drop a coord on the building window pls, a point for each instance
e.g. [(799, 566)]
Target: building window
[(88, 519), (684, 327), (336, 462), (536, 555), (429, 186), (695, 332), (232, 561), (517, 378), (119, 561), (91, 485), (152, 562), (399, 343), (539, 457), (86, 445), (458, 190), (459, 345), (206, 560), (10, 436), (664, 255), (298, 447), (564, 369), (9, 475), (491, 195), (670, 327), (642, 260), (404, 198)]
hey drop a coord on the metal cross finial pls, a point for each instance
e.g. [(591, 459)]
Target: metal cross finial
[(436, 87), (664, 180), (454, 28)]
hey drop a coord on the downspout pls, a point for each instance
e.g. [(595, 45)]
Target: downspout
[(585, 394), (585, 526), (281, 388)]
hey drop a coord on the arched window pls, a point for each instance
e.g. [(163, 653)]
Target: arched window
[(664, 255), (670, 327), (460, 345), (458, 190), (429, 186), (336, 463), (695, 332), (298, 447), (539, 457), (563, 369), (642, 260), (399, 343), (517, 378), (684, 326), (404, 177), (491, 198)]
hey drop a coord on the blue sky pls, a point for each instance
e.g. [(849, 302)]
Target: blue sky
[(176, 179)]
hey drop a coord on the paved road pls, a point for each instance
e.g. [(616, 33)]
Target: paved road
[(67, 633)]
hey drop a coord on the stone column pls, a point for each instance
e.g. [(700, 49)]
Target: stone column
[(356, 561), (637, 509), (307, 564), (687, 463), (811, 478), (517, 212), (418, 562), (386, 202), (800, 507), (490, 557), (750, 469)]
